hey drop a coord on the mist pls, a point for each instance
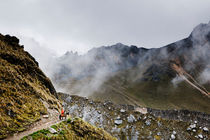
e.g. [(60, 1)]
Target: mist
[(84, 74)]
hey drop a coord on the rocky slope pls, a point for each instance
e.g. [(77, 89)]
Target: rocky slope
[(175, 76), (128, 122)]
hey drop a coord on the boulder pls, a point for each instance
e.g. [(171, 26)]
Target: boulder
[(173, 137), (131, 118), (45, 116), (52, 130), (205, 129), (118, 122)]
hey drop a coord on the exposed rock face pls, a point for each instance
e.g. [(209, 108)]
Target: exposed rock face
[(133, 125), (25, 92)]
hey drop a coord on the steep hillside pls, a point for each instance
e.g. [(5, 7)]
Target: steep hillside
[(175, 76), (25, 92)]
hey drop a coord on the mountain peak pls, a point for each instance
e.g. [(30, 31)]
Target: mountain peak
[(201, 33)]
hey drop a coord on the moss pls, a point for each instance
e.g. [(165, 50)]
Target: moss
[(157, 137), (38, 135)]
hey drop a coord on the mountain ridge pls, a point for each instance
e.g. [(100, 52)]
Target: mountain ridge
[(97, 73)]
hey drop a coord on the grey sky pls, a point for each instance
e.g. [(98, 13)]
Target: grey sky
[(79, 25)]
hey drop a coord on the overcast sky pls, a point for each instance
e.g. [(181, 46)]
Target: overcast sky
[(80, 25)]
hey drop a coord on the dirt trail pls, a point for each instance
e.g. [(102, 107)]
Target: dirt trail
[(42, 124)]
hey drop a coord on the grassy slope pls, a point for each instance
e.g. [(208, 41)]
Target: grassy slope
[(75, 129), (23, 88), (161, 95)]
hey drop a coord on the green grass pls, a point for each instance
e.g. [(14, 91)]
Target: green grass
[(160, 95), (75, 129)]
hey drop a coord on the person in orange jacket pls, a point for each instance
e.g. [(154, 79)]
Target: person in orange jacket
[(62, 112)]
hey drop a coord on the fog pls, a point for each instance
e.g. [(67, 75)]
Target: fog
[(78, 25), (50, 28)]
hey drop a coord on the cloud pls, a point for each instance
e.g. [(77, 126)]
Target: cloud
[(79, 25)]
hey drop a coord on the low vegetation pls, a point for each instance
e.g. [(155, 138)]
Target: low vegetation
[(75, 129)]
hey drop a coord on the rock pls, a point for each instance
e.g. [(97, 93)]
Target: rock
[(173, 137), (52, 130), (118, 122), (148, 122), (141, 110), (158, 133), (192, 126), (174, 132), (188, 129), (118, 118), (45, 116), (131, 118), (159, 124), (122, 110), (68, 99), (205, 129), (200, 136)]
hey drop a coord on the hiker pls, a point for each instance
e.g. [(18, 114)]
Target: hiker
[(62, 112), (62, 115)]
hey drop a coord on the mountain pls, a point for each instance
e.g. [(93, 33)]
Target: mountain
[(175, 76), (29, 101)]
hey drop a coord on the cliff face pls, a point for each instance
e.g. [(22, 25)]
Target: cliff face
[(25, 92)]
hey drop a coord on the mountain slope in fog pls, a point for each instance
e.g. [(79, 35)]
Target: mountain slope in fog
[(173, 76)]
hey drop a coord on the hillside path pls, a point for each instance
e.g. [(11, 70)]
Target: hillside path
[(42, 124)]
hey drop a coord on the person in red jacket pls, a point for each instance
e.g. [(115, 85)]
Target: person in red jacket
[(62, 112)]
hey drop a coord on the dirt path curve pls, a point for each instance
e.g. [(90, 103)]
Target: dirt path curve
[(42, 124)]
